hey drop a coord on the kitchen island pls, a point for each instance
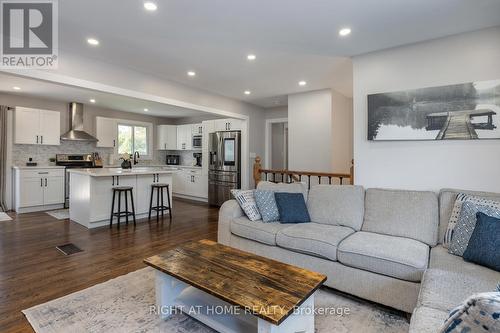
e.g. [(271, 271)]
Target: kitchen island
[(91, 195)]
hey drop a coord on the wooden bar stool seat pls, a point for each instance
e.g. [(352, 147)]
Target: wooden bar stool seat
[(160, 205), (126, 213)]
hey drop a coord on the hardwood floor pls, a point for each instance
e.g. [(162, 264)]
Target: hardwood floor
[(33, 271)]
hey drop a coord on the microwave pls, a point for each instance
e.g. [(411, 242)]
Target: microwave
[(197, 139)]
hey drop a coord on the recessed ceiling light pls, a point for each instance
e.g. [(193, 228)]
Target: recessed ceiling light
[(302, 83), (247, 92), (251, 57), (146, 110), (344, 32), (16, 88), (92, 41), (151, 6), (191, 73), (92, 100)]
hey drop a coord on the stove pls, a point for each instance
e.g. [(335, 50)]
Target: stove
[(75, 161)]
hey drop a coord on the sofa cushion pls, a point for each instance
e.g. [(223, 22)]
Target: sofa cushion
[(267, 205), (316, 239), (447, 201), (246, 200), (284, 187), (449, 280), (292, 208), (427, 320), (398, 257), (337, 205), (410, 214), (256, 230)]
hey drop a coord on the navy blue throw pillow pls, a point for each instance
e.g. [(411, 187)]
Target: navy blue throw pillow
[(292, 207), (485, 242)]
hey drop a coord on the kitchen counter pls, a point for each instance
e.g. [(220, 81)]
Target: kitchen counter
[(24, 167), (91, 192), (110, 172)]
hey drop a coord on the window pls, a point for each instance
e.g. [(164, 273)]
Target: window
[(132, 138)]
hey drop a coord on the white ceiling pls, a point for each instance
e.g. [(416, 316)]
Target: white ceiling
[(68, 94), (293, 39)]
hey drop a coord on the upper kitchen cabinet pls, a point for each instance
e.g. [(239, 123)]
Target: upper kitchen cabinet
[(106, 132), (33, 126), (184, 137), (166, 137), (197, 129), (228, 125)]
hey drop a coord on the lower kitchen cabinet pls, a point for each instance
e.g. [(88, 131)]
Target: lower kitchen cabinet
[(38, 189), (190, 183)]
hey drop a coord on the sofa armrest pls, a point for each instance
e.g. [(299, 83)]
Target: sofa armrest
[(228, 211)]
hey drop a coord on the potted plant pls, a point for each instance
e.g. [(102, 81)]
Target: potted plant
[(126, 164)]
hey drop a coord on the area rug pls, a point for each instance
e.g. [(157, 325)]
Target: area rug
[(4, 217), (124, 304), (61, 214)]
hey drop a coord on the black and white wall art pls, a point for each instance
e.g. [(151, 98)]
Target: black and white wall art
[(467, 111)]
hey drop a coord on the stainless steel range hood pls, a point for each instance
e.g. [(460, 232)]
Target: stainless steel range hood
[(76, 132)]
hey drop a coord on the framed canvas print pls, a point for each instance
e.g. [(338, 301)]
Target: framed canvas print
[(468, 111)]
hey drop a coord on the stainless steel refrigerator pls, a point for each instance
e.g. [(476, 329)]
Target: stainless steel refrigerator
[(224, 173)]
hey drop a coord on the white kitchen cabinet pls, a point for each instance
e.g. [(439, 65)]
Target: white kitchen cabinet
[(197, 129), (228, 124), (166, 137), (106, 132), (184, 137), (33, 126), (191, 183), (38, 189), (208, 127)]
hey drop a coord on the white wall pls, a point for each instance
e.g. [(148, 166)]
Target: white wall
[(276, 112), (310, 131), (342, 132), (426, 164)]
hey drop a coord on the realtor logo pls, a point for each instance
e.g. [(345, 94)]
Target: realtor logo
[(29, 34)]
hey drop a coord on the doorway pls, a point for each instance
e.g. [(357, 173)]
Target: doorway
[(277, 144)]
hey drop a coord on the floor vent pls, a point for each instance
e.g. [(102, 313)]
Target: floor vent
[(69, 249)]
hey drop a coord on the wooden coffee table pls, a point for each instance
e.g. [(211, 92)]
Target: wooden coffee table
[(234, 291)]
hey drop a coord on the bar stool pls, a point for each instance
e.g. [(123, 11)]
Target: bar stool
[(120, 213), (160, 206)]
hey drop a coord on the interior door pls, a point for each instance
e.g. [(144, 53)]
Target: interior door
[(50, 127)]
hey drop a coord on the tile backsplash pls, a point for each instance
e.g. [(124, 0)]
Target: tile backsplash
[(41, 154)]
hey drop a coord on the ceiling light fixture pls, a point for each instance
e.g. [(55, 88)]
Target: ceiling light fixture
[(344, 32), (247, 92), (151, 6), (16, 88), (92, 100), (251, 57), (146, 110), (302, 83), (92, 41), (191, 73)]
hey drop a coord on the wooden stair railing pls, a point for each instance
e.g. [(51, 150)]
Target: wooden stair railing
[(289, 176)]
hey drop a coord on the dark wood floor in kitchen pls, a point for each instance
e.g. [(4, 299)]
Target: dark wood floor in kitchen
[(33, 271)]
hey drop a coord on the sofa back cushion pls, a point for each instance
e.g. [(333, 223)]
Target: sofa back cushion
[(337, 205), (411, 214), (447, 201), (284, 187)]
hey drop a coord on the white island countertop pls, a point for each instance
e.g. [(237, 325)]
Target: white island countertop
[(109, 172)]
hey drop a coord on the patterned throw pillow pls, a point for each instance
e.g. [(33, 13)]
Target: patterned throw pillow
[(246, 200), (467, 222), (479, 313), (267, 205), (455, 214)]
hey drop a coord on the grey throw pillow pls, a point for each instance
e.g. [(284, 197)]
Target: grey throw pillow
[(246, 200), (267, 205), (467, 222)]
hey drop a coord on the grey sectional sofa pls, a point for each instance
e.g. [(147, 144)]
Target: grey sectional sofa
[(381, 245)]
